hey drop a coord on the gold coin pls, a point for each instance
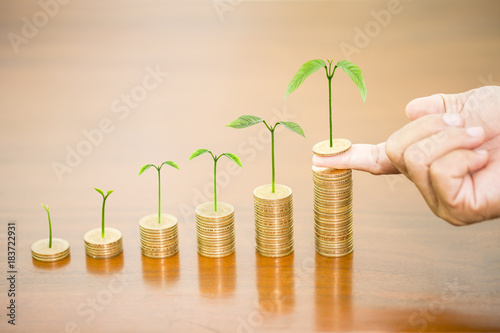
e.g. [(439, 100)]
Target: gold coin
[(264, 192), (335, 253), (150, 222), (338, 146), (275, 254), (40, 250), (216, 238), (159, 255), (159, 247), (215, 223), (102, 248), (104, 256), (334, 246), (273, 231), (216, 255), (330, 172), (333, 229), (111, 236), (206, 210), (334, 241)]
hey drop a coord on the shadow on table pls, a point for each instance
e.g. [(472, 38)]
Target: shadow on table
[(275, 284), (51, 265), (160, 272), (217, 276), (104, 266), (333, 292)]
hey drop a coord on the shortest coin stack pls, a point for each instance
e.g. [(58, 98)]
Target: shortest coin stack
[(103, 248), (273, 220), (215, 229), (333, 211), (159, 240), (40, 250)]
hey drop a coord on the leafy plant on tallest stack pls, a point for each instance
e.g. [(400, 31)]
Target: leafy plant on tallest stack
[(312, 66)]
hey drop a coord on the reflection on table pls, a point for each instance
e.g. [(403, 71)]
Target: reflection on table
[(333, 292), (217, 276), (105, 266), (275, 284), (160, 272)]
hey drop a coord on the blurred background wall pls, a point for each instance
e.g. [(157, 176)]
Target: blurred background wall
[(92, 90)]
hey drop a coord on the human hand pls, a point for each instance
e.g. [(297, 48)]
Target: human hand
[(450, 151)]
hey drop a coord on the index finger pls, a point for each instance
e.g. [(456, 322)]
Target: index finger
[(363, 157), (425, 105)]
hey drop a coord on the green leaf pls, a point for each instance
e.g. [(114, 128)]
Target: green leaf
[(100, 191), (172, 164), (294, 127), (107, 194), (307, 69), (245, 121), (45, 207), (355, 74), (145, 167), (233, 158), (197, 153)]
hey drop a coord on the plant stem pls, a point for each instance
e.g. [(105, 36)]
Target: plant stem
[(330, 107), (215, 183), (50, 231), (159, 197), (272, 159), (102, 225)]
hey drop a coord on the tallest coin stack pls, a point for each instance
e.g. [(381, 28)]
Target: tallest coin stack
[(333, 230)]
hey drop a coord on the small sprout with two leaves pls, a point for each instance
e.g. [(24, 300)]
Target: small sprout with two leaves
[(158, 168), (50, 225), (249, 120), (312, 66), (104, 197), (231, 156)]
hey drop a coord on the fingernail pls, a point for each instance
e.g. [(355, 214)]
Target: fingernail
[(475, 131), (452, 119)]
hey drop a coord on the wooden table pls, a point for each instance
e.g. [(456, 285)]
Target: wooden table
[(410, 271)]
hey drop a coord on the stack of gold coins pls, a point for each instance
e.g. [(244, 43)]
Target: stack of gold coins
[(332, 202), (333, 211), (159, 240), (40, 250), (99, 247), (273, 220), (215, 229)]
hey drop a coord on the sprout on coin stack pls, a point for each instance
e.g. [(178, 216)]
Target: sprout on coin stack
[(49, 249), (158, 233), (273, 203), (103, 243), (332, 188), (215, 220)]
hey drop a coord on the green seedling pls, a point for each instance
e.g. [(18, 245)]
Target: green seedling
[(50, 225), (232, 157), (249, 120), (312, 66), (158, 168), (104, 197)]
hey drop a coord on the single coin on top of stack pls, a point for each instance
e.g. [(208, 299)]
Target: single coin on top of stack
[(98, 247), (333, 217), (215, 229), (273, 220), (159, 240), (41, 251)]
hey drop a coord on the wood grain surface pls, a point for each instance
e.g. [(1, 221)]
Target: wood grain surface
[(102, 88)]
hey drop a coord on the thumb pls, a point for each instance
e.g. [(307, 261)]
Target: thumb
[(439, 103), (369, 158)]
